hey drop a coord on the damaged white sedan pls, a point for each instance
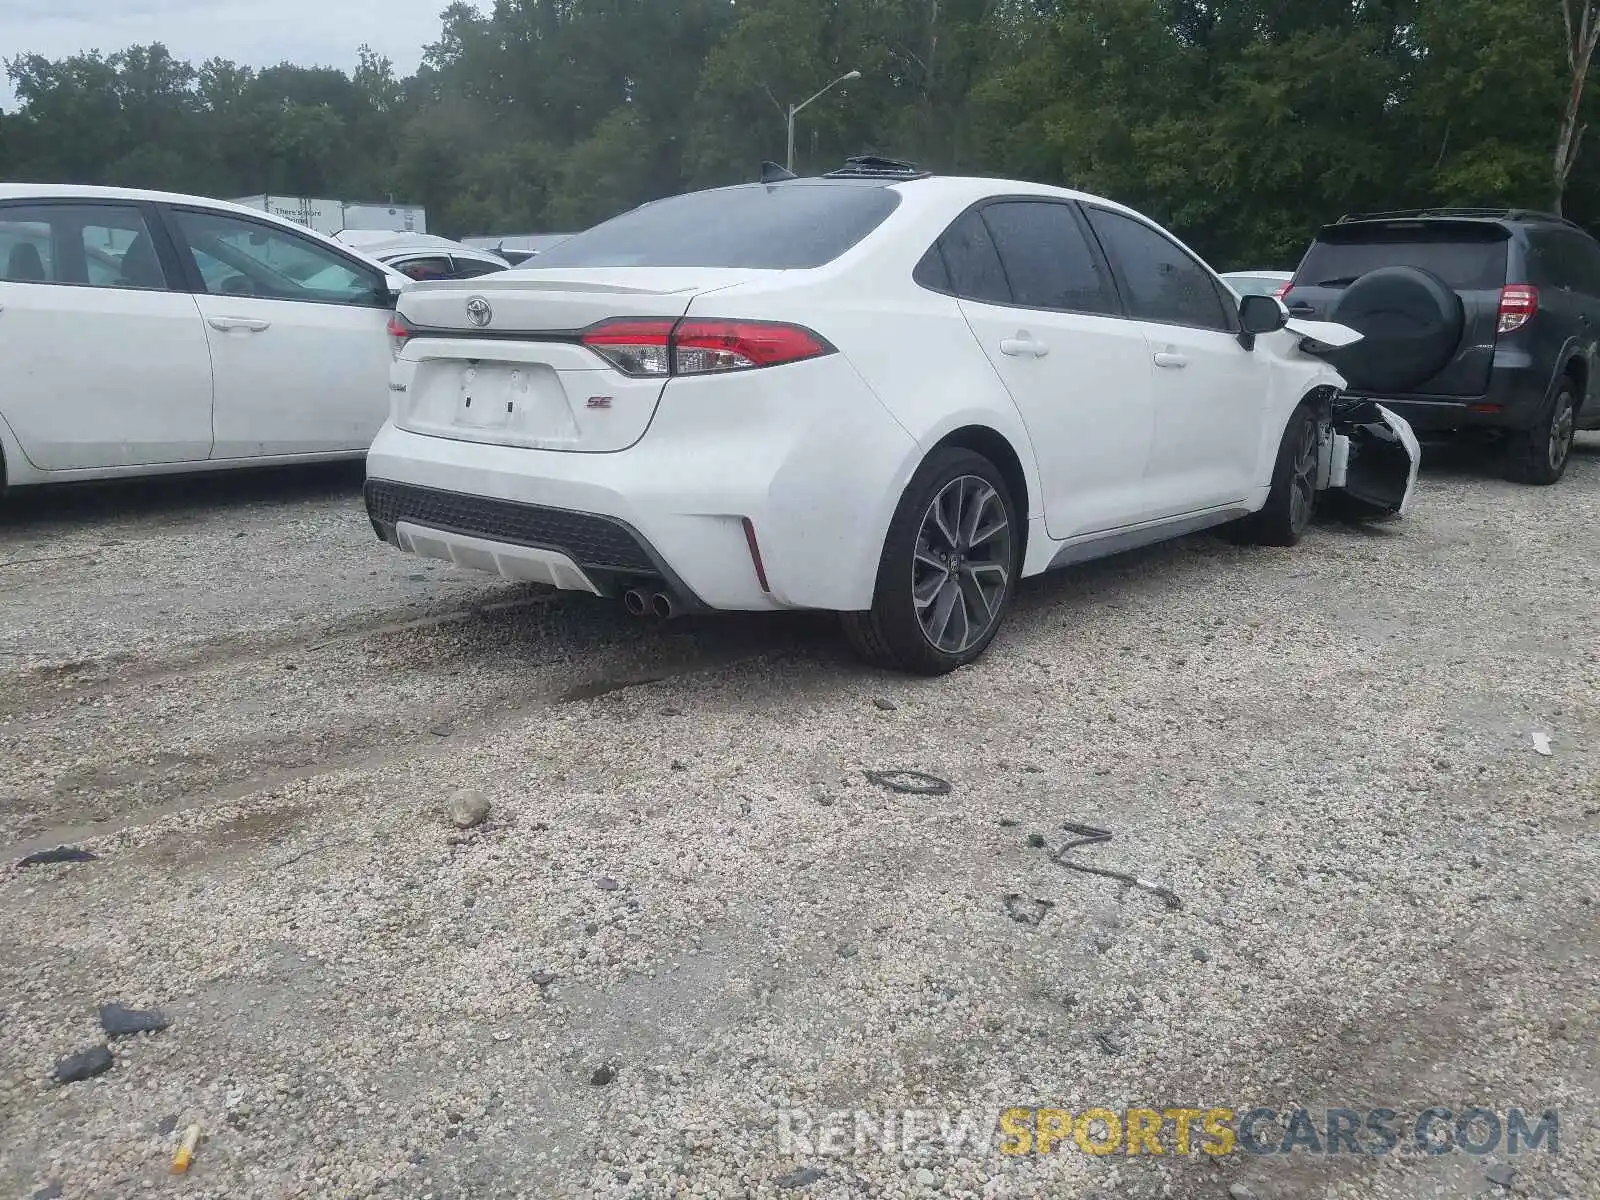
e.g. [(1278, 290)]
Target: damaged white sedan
[(876, 392)]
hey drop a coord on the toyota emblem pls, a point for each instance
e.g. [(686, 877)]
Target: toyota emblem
[(479, 312)]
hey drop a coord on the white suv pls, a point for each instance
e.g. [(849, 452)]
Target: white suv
[(875, 392)]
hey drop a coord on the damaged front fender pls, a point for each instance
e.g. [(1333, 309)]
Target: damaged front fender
[(1372, 459), (1370, 456)]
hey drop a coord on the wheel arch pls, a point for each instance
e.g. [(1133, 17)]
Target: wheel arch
[(1575, 368), (997, 448)]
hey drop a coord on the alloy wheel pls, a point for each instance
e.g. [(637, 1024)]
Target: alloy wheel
[(1303, 478), (962, 564), (1561, 434)]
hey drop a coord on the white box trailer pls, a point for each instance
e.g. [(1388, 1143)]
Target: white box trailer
[(334, 216), (325, 216), (399, 218)]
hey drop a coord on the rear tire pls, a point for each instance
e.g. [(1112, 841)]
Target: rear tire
[(1286, 516), (948, 569), (1539, 456)]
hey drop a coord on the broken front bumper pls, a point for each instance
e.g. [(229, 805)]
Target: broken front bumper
[(1371, 458)]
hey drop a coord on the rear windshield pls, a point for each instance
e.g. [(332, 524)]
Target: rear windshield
[(1468, 258), (789, 226)]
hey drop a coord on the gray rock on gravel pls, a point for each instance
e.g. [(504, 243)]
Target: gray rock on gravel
[(1501, 1174), (469, 808), (804, 1177), (85, 1064), (1241, 1191), (119, 1021)]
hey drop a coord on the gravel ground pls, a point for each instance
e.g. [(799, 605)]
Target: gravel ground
[(690, 916)]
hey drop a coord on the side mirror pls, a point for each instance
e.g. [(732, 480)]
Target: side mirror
[(1262, 314)]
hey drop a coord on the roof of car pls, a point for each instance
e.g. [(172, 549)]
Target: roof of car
[(84, 191), (1485, 214), (402, 243), (968, 188)]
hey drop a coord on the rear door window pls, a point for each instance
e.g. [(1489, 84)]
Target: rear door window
[(790, 226), (972, 261), (93, 245), (471, 268), (1585, 270), (437, 267), (1047, 258), (1469, 257)]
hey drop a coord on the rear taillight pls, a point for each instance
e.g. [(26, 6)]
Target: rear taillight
[(1283, 288), (1518, 303), (634, 347), (699, 346), (399, 334), (702, 346)]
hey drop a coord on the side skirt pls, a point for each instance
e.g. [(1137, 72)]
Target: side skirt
[(1116, 541)]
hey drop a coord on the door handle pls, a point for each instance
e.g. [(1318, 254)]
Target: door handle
[(1168, 358), (248, 324), (1300, 306), (1023, 346)]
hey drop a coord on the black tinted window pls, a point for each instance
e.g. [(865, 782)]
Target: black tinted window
[(1467, 257), (974, 266), (423, 268), (1160, 281), (931, 272), (471, 268), (789, 226), (1047, 258), (1583, 263), (101, 245)]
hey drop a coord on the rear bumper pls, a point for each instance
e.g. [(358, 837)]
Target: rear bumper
[(1514, 399), (573, 551), (807, 455)]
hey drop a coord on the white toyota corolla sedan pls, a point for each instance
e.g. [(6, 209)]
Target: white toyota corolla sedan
[(148, 333), (875, 392)]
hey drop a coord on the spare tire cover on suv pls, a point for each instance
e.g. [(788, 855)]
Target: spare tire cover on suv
[(1410, 323)]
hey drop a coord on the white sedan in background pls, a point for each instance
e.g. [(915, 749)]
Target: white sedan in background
[(876, 392), (149, 333), (424, 255)]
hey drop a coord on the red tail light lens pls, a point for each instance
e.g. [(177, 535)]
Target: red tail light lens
[(634, 347), (700, 347), (703, 346), (1283, 288), (399, 334), (1518, 303)]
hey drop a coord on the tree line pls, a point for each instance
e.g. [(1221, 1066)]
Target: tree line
[(1242, 124)]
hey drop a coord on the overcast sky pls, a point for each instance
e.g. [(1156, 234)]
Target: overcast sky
[(258, 33)]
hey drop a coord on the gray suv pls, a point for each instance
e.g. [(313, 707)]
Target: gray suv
[(1474, 319)]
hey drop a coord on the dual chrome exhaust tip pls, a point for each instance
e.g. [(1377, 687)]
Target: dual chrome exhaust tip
[(648, 604)]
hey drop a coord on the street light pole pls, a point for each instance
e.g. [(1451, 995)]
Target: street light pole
[(795, 108)]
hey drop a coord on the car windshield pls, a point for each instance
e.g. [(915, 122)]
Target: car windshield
[(778, 227), (1467, 257)]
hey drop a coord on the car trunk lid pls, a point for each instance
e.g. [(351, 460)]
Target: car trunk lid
[(1469, 256), (500, 360)]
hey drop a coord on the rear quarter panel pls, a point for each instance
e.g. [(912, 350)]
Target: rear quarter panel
[(911, 347)]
